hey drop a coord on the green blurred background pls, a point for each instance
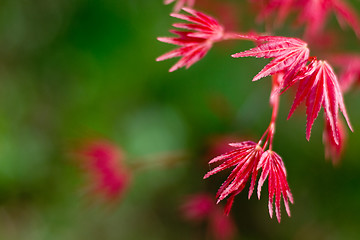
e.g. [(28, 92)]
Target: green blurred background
[(70, 70)]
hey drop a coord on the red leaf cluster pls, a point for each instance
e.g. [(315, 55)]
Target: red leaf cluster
[(318, 83), (247, 159)]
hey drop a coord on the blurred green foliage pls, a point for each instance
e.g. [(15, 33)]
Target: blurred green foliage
[(70, 70)]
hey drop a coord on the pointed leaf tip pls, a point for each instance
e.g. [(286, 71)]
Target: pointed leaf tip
[(186, 9), (255, 78), (270, 206), (308, 135)]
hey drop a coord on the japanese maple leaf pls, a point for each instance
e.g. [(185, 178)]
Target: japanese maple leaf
[(180, 4), (319, 85), (290, 56), (314, 14), (345, 14), (195, 41), (244, 160), (103, 162), (274, 168)]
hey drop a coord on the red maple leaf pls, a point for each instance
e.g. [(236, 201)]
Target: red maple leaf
[(315, 13), (244, 159), (345, 14), (318, 83), (290, 56), (103, 162), (195, 42), (273, 166)]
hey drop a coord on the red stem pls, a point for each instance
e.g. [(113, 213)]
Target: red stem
[(234, 36), (274, 102)]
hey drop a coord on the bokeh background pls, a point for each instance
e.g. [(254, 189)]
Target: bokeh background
[(73, 70)]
